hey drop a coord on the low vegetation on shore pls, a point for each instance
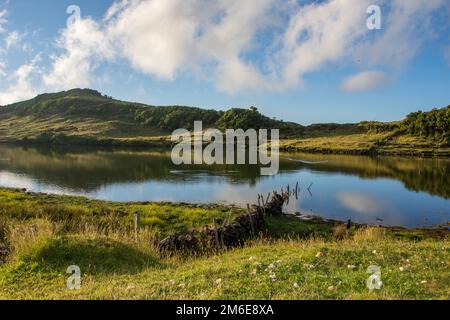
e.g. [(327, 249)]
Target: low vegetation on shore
[(42, 235)]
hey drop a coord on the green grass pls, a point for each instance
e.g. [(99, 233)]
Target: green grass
[(78, 214), (291, 259), (111, 270), (367, 143)]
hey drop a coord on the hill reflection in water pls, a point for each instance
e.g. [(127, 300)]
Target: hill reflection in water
[(388, 190)]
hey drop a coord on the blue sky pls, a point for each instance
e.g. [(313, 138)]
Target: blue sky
[(303, 61)]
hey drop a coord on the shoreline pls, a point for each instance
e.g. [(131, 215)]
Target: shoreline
[(306, 218), (165, 143)]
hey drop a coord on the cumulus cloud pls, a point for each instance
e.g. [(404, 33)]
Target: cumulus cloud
[(162, 38), (364, 81), (165, 37), (82, 42), (319, 34), (241, 45), (157, 37), (21, 83)]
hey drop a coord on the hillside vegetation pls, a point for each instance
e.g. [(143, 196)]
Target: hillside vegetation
[(420, 134), (292, 259), (84, 116)]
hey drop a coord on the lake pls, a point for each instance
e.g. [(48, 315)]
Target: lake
[(396, 191)]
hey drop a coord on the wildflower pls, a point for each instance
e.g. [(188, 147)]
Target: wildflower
[(401, 269), (172, 282), (273, 277), (308, 266), (218, 282), (423, 282), (351, 267), (331, 288), (182, 285), (252, 258), (374, 251), (279, 261), (271, 266), (296, 285), (319, 254)]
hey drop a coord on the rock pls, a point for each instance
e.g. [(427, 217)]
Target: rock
[(4, 252)]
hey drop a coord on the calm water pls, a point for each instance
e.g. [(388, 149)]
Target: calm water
[(378, 190)]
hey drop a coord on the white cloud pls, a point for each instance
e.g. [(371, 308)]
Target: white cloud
[(164, 37), (319, 34), (157, 37), (406, 25), (364, 81), (82, 42), (3, 20), (268, 45), (21, 83), (364, 204), (2, 69), (13, 39), (117, 7)]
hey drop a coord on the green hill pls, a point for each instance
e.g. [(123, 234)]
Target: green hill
[(419, 134), (84, 116)]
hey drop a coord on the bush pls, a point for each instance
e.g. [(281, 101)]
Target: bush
[(434, 124)]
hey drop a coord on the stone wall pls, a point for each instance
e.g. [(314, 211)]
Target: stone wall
[(226, 235)]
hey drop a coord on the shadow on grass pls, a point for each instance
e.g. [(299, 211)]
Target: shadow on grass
[(284, 227), (95, 256)]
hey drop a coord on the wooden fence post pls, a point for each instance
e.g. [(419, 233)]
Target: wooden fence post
[(251, 223), (137, 226), (34, 230), (216, 234)]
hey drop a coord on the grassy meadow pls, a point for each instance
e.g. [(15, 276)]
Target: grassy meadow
[(291, 259)]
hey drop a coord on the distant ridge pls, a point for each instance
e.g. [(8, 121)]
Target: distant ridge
[(85, 116)]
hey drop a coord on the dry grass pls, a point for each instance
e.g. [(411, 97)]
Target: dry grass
[(370, 234), (26, 238)]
